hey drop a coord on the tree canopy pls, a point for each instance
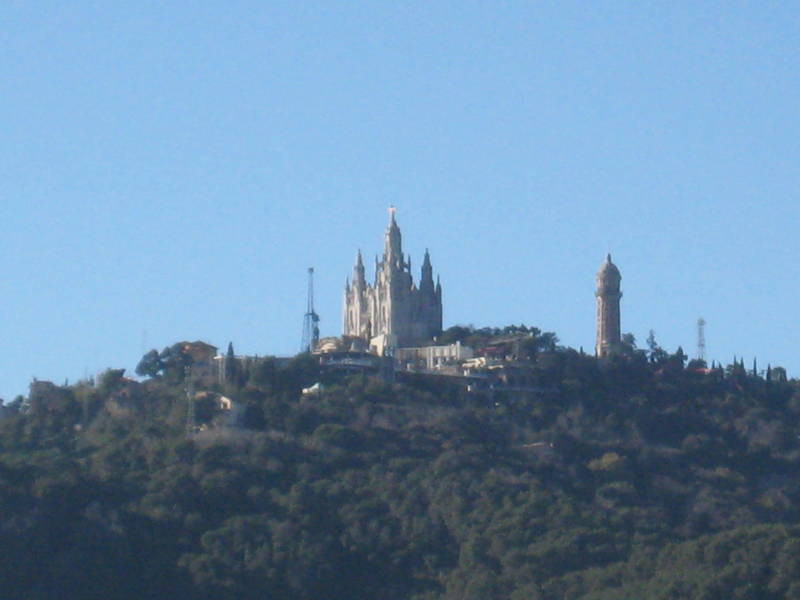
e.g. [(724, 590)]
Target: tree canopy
[(634, 476)]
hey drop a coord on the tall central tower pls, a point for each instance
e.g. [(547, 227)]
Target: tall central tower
[(393, 306), (608, 320)]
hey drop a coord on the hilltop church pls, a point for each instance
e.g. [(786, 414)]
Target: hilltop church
[(393, 312)]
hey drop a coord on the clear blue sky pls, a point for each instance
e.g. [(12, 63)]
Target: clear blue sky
[(168, 170)]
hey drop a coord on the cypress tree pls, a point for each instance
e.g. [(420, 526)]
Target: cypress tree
[(230, 364)]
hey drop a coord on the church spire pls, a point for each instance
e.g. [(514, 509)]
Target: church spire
[(393, 249), (359, 281), (426, 280)]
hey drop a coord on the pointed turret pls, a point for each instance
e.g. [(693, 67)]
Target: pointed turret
[(426, 279), (359, 281), (438, 320), (426, 265)]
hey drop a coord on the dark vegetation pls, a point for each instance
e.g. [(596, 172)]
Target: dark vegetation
[(636, 477)]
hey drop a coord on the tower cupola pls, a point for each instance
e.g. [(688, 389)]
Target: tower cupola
[(608, 277)]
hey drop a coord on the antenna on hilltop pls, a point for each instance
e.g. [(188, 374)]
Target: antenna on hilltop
[(311, 319), (701, 339)]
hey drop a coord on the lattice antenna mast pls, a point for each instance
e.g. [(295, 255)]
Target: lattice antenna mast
[(701, 338), (311, 319)]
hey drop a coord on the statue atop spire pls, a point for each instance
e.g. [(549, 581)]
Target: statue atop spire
[(393, 248)]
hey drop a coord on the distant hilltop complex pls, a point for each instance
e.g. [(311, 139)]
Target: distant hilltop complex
[(394, 325), (393, 312), (392, 328)]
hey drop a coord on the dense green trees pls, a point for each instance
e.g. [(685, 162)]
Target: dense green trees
[(632, 477)]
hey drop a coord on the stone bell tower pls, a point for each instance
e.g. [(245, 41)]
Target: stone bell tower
[(608, 320)]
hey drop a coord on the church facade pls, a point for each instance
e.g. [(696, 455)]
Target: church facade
[(393, 311)]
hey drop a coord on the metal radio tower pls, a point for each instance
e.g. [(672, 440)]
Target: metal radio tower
[(701, 338), (311, 319)]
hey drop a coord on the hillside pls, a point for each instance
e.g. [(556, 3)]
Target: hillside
[(633, 477)]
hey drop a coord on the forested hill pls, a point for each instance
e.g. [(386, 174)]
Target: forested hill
[(636, 477)]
